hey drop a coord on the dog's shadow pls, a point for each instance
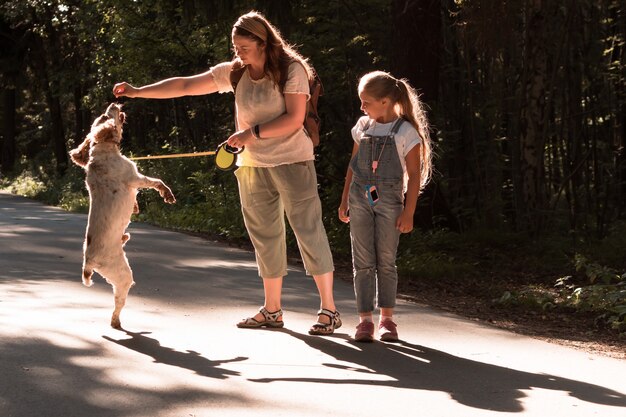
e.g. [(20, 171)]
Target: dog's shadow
[(189, 359)]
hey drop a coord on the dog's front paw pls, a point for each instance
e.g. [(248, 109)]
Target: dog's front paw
[(168, 196)]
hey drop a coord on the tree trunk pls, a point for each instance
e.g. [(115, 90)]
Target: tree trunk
[(7, 162), (54, 107), (532, 140), (46, 53), (619, 121), (79, 121), (417, 27), (574, 113)]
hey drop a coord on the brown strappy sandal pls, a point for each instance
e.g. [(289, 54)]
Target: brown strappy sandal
[(320, 328), (270, 319)]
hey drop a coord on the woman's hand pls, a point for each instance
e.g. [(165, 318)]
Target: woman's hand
[(124, 89), (240, 139), (405, 222), (344, 213)]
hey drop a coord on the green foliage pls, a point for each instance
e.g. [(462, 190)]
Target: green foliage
[(67, 191), (25, 185), (433, 256), (605, 292), (602, 292), (609, 249), (207, 199), (535, 298), (481, 254)]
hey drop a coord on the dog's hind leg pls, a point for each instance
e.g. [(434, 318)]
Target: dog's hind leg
[(121, 286), (88, 265), (120, 292)]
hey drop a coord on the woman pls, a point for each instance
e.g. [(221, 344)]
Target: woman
[(276, 173)]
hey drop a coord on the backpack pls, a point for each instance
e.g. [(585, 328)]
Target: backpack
[(312, 121)]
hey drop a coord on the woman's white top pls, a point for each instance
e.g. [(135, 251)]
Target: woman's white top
[(260, 101)]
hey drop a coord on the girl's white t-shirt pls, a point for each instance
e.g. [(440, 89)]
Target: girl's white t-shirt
[(260, 101), (406, 138)]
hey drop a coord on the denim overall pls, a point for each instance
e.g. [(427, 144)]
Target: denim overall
[(373, 225)]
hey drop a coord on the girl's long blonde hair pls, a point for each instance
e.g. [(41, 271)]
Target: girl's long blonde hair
[(279, 53), (380, 85)]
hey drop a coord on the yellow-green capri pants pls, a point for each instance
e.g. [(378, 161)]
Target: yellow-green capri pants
[(267, 194)]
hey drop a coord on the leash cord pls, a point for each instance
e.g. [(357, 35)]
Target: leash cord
[(177, 155)]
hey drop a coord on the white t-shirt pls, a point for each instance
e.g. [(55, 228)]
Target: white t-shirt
[(258, 102), (406, 138)]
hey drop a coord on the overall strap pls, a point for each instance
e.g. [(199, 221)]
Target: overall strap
[(367, 125), (396, 126)]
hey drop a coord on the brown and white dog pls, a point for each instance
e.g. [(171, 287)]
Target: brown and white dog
[(112, 181)]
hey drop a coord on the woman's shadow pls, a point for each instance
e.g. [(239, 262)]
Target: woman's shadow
[(472, 383), (188, 360)]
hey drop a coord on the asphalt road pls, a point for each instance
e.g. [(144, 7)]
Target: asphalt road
[(180, 353)]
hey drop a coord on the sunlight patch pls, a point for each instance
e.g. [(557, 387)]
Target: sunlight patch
[(216, 263), (65, 340)]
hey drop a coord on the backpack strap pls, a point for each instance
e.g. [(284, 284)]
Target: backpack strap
[(236, 73), (284, 75)]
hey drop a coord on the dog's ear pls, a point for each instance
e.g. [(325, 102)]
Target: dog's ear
[(106, 132), (80, 155), (99, 120)]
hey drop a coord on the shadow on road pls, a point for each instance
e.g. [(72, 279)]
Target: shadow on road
[(189, 359), (471, 383), (42, 378)]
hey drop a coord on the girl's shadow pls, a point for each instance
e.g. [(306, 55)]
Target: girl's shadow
[(188, 360), (472, 383)]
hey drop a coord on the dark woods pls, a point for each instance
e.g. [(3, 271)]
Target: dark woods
[(526, 97)]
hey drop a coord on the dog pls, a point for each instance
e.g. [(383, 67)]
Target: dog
[(113, 182)]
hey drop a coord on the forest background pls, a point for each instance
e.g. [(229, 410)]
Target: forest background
[(525, 218)]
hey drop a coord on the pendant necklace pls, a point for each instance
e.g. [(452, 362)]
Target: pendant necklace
[(375, 161)]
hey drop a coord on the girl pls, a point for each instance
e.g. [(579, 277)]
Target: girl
[(391, 157)]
